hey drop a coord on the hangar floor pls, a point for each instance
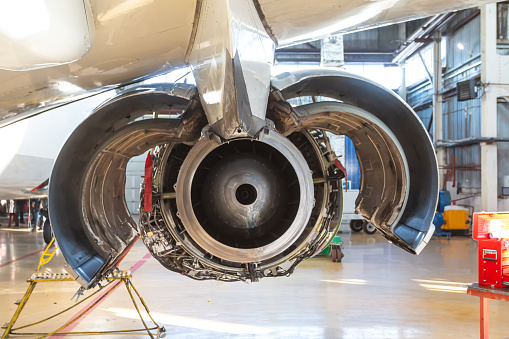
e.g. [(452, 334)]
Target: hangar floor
[(378, 291)]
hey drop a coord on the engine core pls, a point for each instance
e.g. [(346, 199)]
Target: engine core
[(245, 200), (240, 209)]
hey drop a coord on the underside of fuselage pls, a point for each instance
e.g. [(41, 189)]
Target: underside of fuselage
[(51, 54)]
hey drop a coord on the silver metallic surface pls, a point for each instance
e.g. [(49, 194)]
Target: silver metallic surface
[(167, 239), (246, 255), (242, 193), (332, 209), (231, 59), (385, 178), (87, 208), (296, 20), (355, 118)]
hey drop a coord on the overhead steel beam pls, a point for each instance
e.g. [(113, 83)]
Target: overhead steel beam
[(410, 46)]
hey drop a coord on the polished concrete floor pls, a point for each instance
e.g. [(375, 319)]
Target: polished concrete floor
[(378, 291)]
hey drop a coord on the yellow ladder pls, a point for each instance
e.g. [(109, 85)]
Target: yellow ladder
[(118, 276), (47, 255)]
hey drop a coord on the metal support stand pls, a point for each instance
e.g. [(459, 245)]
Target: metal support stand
[(115, 279), (485, 293)]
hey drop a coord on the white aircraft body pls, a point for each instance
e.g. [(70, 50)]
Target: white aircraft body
[(240, 184), (30, 146)]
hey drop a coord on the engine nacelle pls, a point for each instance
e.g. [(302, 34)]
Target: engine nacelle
[(249, 207)]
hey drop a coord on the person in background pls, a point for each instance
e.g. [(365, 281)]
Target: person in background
[(4, 208), (36, 207), (43, 213), (12, 214), (20, 211)]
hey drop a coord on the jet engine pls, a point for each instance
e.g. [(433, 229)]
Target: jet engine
[(250, 205)]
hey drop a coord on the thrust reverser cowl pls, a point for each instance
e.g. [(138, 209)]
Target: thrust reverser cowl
[(399, 172)]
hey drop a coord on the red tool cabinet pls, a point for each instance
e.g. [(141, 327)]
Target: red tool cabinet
[(492, 232)]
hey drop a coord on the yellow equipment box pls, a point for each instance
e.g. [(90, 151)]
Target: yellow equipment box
[(456, 218)]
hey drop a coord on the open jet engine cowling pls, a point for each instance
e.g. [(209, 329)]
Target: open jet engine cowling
[(247, 207)]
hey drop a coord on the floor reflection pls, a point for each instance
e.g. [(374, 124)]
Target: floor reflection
[(377, 291)]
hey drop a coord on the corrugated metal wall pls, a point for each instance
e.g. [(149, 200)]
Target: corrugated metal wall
[(460, 119), (420, 89), (380, 39), (463, 63), (463, 119)]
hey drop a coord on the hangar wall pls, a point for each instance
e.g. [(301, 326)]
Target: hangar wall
[(460, 120), (461, 52)]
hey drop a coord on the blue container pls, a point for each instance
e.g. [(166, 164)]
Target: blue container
[(444, 199)]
